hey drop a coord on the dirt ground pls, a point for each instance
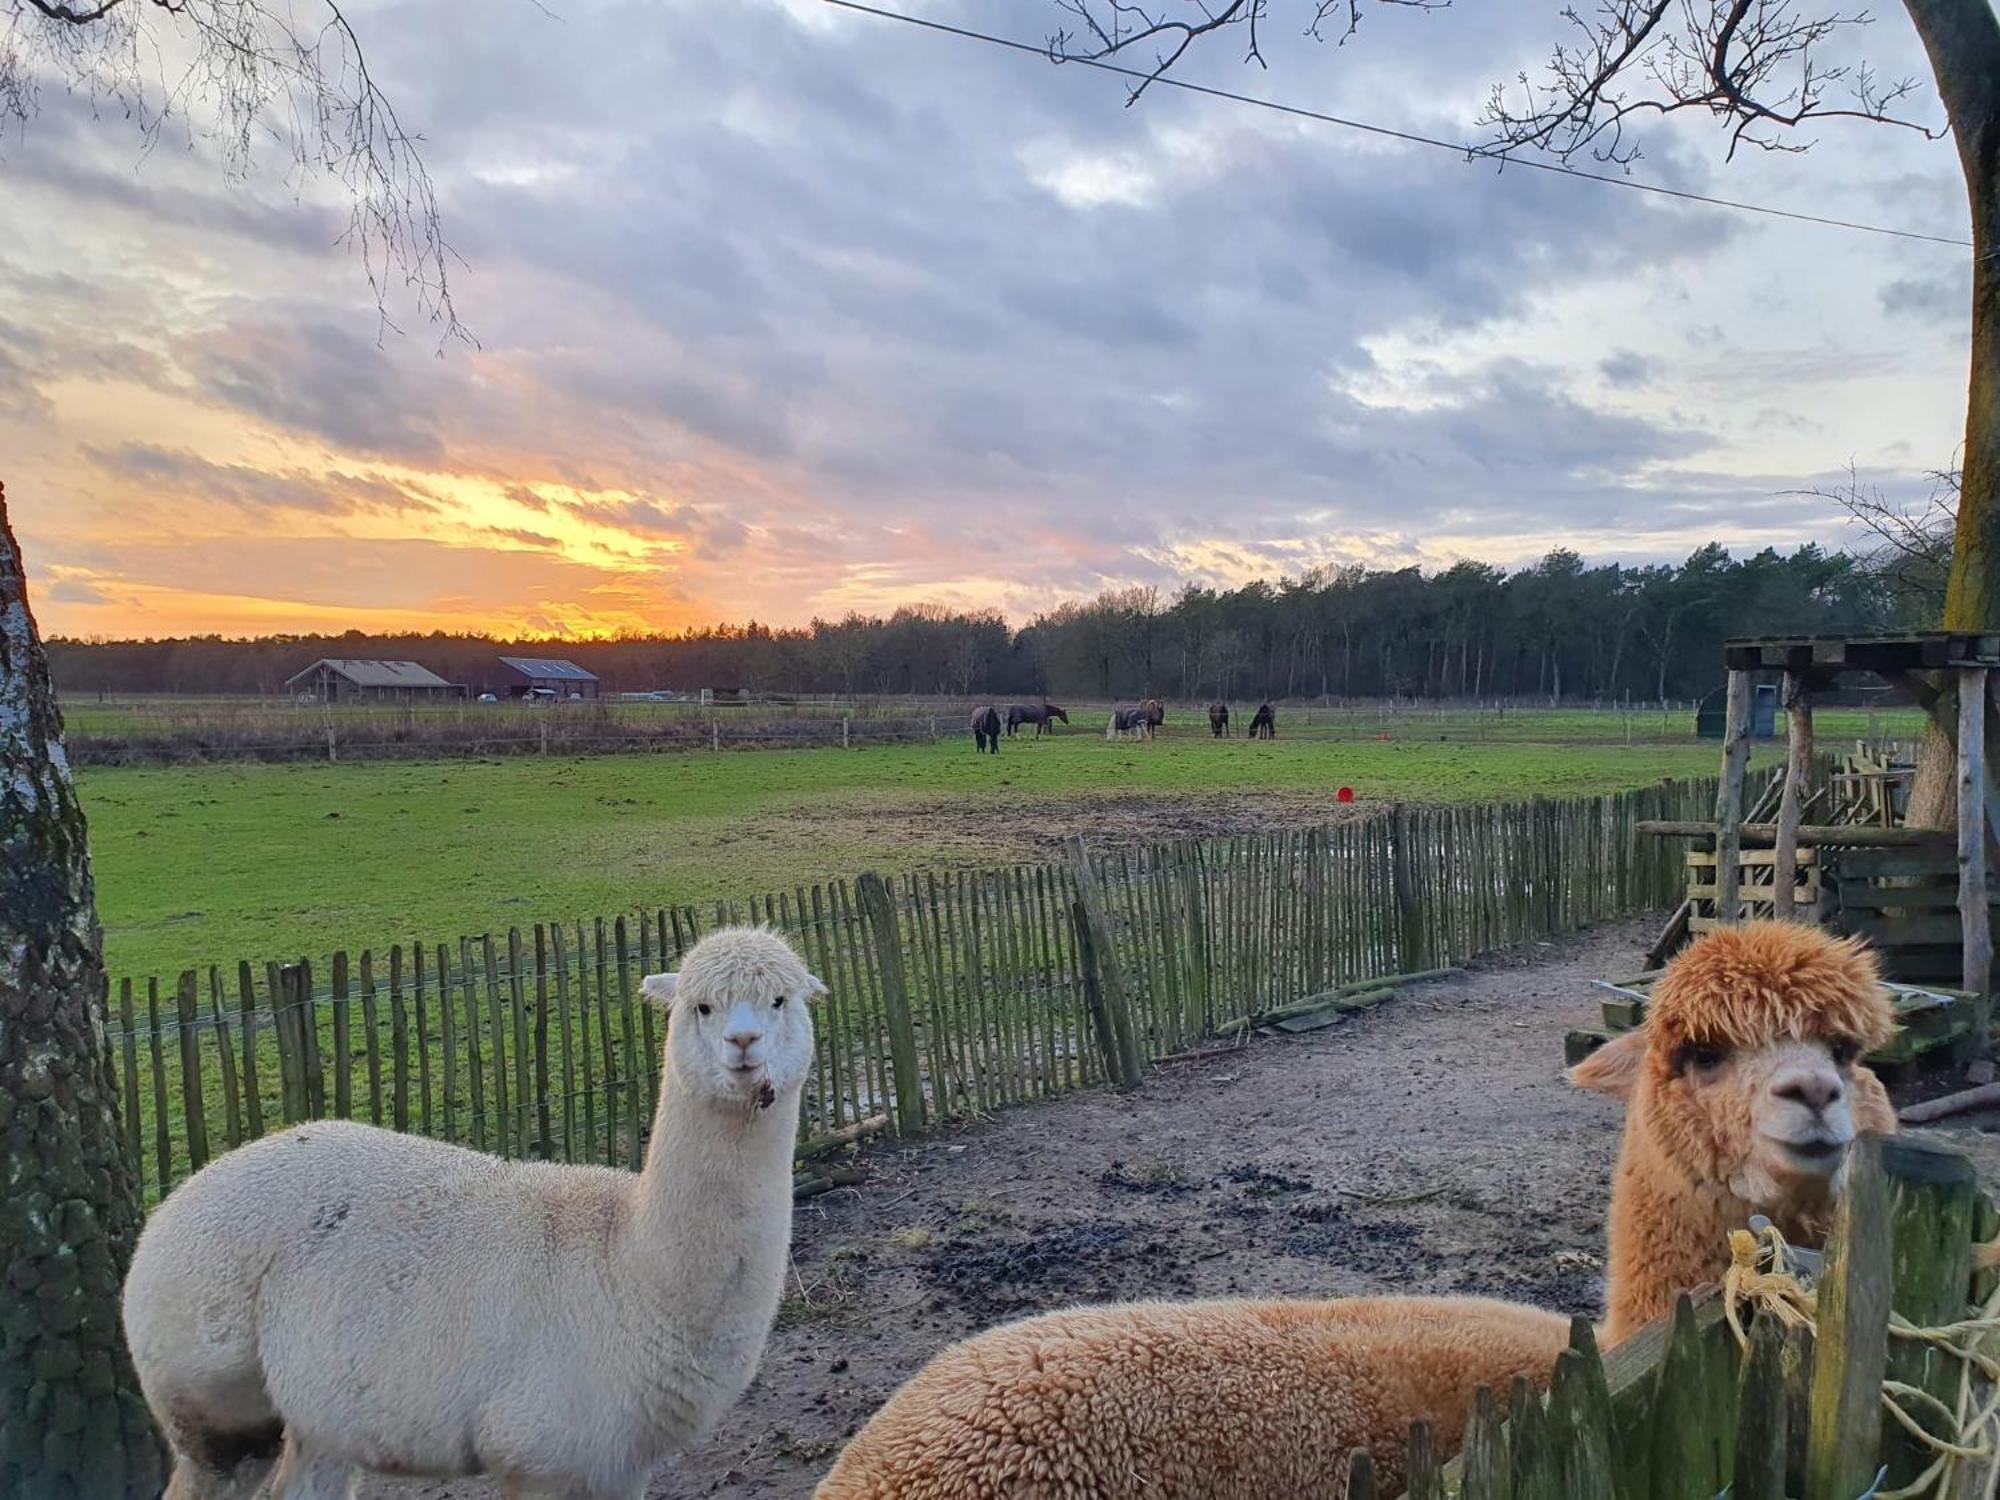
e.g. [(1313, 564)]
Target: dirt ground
[(1427, 1146), (953, 831)]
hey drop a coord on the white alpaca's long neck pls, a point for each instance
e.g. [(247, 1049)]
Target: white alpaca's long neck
[(704, 1252)]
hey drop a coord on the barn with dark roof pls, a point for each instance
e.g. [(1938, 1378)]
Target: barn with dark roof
[(362, 680), (545, 677)]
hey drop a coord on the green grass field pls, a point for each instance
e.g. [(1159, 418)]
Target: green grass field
[(199, 865)]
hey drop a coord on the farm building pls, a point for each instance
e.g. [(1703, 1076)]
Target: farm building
[(351, 680), (545, 677)]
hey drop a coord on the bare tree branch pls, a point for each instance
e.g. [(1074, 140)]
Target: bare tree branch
[(1756, 65), (1912, 543), (240, 74)]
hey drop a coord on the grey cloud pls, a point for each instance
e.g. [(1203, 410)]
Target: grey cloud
[(1627, 368), (1942, 298), (170, 473)]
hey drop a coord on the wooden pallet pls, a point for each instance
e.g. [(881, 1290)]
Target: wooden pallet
[(1927, 1017)]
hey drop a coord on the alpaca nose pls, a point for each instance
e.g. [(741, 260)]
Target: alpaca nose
[(1813, 1088), (743, 1038)]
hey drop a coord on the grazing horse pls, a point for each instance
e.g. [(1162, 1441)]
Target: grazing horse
[(986, 729), (1026, 713), (1218, 719), (1143, 720), (1264, 725)]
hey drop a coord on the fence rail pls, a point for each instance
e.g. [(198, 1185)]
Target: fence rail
[(951, 994)]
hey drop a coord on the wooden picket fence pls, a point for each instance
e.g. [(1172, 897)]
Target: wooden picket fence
[(951, 993), (1684, 1410)]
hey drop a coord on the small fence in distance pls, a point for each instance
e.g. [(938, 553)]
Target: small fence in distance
[(950, 994), (166, 730)]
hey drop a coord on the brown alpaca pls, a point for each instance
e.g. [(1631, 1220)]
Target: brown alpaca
[(1744, 1094)]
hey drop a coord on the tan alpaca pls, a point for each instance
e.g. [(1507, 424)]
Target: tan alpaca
[(1744, 1095), (389, 1303)]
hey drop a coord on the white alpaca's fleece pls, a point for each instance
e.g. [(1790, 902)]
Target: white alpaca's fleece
[(406, 1306)]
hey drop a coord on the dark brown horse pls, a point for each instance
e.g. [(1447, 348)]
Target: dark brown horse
[(986, 729), (1264, 725), (1026, 713), (1218, 719)]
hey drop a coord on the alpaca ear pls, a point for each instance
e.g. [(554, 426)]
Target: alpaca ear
[(1613, 1069), (816, 986), (659, 988)]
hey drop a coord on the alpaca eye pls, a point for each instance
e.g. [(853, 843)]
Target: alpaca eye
[(1703, 1057), (702, 1008), (1844, 1052), (777, 1002)]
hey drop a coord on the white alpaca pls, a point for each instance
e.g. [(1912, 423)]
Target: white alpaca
[(384, 1302)]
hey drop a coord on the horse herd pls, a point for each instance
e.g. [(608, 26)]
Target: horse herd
[(989, 721)]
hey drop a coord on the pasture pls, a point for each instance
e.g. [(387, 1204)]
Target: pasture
[(201, 864)]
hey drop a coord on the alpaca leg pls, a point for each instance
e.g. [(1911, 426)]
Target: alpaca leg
[(305, 1475)]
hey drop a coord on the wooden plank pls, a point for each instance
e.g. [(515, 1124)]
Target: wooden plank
[(194, 1109), (343, 1042), (1579, 1431), (371, 1035), (1973, 896), (496, 1023), (1423, 1479), (880, 908), (1484, 1473), (1762, 1416), (162, 1142), (1104, 953), (253, 1091), (128, 1024), (399, 1042), (1819, 835), (232, 1103), (1729, 796), (1693, 1414), (1361, 1476), (629, 1039), (1797, 699), (544, 1113), (1851, 1351)]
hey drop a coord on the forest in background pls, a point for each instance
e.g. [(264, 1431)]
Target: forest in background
[(1561, 630)]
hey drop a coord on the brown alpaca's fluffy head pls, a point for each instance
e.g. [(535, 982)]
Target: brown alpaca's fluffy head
[(1748, 1076)]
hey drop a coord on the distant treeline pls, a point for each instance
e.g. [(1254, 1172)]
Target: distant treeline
[(1560, 630)]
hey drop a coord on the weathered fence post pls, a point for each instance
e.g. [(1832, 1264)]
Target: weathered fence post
[(1403, 885), (1851, 1348), (1102, 966), (1933, 1197), (880, 907), (192, 1106)]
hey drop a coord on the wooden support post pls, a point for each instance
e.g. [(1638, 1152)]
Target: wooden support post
[(1729, 799), (881, 910), (1974, 916), (1798, 776), (1104, 955)]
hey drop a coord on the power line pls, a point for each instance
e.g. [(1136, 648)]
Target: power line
[(1459, 149)]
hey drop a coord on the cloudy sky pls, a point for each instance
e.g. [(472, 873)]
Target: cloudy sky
[(784, 311)]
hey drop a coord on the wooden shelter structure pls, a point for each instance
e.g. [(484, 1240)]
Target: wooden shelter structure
[(1922, 896)]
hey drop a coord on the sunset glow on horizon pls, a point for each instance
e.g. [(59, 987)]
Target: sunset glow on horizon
[(783, 315)]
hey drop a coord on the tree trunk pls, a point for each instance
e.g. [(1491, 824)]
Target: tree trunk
[(1962, 38), (72, 1424)]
